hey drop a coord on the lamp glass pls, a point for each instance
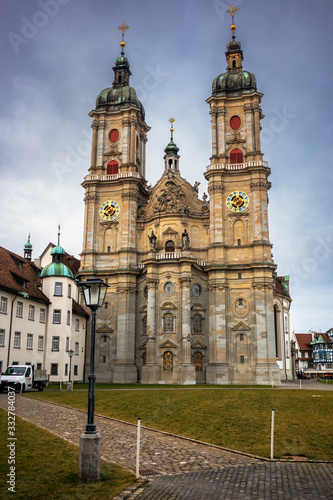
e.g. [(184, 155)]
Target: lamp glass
[(94, 291)]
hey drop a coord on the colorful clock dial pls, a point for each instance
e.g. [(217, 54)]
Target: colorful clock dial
[(238, 201), (109, 210)]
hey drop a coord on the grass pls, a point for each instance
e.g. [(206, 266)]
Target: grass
[(239, 419), (47, 467)]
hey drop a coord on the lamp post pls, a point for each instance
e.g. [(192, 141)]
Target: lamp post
[(70, 354), (94, 291)]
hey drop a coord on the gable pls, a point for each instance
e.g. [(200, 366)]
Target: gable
[(198, 345), (168, 345), (241, 327), (104, 329)]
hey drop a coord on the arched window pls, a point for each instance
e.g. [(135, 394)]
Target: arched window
[(168, 323), (169, 247), (144, 358), (144, 325), (197, 324), (234, 63), (198, 361), (112, 168), (168, 361), (236, 156)]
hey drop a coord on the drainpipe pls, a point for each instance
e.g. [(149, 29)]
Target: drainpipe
[(10, 328), (284, 343)]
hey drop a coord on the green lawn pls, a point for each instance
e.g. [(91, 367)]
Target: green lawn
[(47, 467), (234, 418)]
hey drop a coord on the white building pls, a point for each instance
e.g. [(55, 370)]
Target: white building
[(40, 319)]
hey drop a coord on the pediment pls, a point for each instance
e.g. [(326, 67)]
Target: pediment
[(169, 230), (168, 345), (143, 345), (169, 306), (173, 195), (104, 329), (241, 327), (198, 345), (198, 307)]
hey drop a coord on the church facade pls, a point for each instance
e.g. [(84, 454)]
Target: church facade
[(193, 292)]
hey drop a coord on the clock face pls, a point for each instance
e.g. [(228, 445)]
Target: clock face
[(238, 201), (109, 210)]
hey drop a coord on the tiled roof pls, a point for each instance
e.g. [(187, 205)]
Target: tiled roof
[(303, 341), (77, 309), (19, 275)]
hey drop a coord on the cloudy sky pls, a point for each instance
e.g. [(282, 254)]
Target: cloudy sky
[(57, 55)]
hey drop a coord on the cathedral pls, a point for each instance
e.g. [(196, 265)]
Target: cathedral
[(193, 293)]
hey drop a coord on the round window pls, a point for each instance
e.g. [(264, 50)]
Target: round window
[(241, 307), (114, 135), (168, 288), (235, 122), (196, 290)]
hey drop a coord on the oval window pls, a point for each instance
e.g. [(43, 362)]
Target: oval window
[(114, 135), (235, 122)]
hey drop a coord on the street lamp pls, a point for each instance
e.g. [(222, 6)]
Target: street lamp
[(94, 291), (70, 354)]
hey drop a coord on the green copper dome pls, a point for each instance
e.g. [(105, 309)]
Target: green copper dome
[(120, 94), (58, 250), (28, 246), (115, 98), (172, 148), (121, 63), (235, 80), (56, 269)]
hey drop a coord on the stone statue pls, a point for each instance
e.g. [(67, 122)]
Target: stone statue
[(185, 240), (152, 241), (204, 197), (196, 186)]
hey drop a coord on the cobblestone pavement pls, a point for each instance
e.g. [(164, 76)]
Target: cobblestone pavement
[(261, 481), (184, 468), (160, 452)]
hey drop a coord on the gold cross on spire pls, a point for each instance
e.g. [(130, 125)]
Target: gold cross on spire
[(123, 28), (232, 11)]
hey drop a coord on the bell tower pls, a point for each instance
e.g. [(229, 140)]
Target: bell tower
[(240, 265), (114, 189)]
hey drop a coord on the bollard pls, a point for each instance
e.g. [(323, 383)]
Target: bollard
[(138, 449), (272, 435)]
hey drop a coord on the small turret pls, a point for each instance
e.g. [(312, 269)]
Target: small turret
[(28, 249), (171, 157)]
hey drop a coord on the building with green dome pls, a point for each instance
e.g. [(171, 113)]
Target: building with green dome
[(41, 321)]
